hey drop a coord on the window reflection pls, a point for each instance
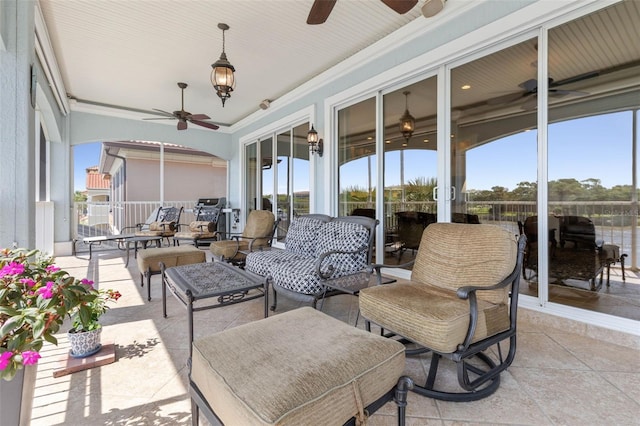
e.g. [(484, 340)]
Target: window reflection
[(410, 168)]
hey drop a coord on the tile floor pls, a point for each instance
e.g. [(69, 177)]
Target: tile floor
[(557, 377)]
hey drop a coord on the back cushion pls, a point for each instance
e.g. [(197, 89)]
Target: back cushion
[(344, 236), (302, 235), (454, 255)]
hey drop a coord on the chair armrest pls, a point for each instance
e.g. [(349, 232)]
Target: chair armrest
[(330, 267), (377, 267), (137, 227), (469, 293)]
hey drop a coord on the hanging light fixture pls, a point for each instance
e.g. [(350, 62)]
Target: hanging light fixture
[(407, 122), (315, 144), (222, 76)]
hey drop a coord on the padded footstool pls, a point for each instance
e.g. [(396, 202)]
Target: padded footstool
[(149, 261), (301, 367)]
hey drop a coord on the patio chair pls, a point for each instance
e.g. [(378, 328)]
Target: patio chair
[(579, 230), (461, 301), (258, 232), (203, 230), (164, 225), (410, 227), (530, 229)]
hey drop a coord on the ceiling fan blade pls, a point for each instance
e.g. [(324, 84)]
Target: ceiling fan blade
[(506, 99), (205, 124), (160, 118), (164, 112), (530, 85), (182, 125), (320, 11), (400, 6), (575, 79), (199, 117)]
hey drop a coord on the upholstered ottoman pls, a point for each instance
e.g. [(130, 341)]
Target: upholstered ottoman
[(301, 367), (149, 261)]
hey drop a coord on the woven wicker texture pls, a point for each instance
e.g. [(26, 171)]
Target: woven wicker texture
[(453, 255), (301, 367)]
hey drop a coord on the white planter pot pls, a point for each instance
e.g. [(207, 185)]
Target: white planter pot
[(85, 343), (16, 397)]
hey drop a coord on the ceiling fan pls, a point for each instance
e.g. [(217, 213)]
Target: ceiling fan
[(321, 9), (530, 92), (183, 116)]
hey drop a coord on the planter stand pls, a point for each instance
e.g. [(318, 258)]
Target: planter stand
[(67, 364)]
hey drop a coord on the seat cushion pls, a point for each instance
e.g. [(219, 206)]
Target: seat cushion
[(298, 275), (453, 255), (262, 262), (229, 249), (432, 317), (170, 256), (303, 367)]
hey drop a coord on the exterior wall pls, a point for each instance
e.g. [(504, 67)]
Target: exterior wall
[(183, 182)]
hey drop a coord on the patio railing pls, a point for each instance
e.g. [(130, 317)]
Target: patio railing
[(615, 221)]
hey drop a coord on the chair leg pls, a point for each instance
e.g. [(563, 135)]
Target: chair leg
[(405, 384), (275, 300), (148, 274)]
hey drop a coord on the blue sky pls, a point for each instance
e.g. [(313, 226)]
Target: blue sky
[(592, 147), (84, 156)]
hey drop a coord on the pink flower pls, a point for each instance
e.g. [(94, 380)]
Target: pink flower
[(46, 292), (30, 357), (4, 359), (12, 268), (52, 268), (86, 282), (28, 281)]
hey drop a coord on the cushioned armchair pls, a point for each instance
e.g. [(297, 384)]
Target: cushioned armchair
[(201, 231), (257, 233), (164, 226), (461, 300)]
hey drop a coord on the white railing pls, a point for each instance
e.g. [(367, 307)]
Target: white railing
[(614, 220)]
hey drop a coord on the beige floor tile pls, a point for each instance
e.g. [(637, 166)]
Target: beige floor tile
[(558, 376), (576, 397)]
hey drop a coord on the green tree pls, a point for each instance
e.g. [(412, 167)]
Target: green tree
[(79, 196), (420, 189)]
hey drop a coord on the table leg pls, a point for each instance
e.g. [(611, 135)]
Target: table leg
[(126, 262), (190, 320)]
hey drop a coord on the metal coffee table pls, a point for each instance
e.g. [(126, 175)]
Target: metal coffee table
[(221, 282)]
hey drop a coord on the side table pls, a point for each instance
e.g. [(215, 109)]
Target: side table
[(220, 281)]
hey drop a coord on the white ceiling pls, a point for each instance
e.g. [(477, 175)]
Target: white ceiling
[(132, 53)]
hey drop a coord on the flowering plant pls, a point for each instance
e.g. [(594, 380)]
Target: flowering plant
[(86, 316), (35, 298)]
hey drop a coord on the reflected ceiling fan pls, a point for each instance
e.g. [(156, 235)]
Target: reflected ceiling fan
[(183, 116), (321, 9), (530, 92)]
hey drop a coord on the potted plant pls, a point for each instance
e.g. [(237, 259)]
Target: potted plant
[(84, 335), (35, 298)]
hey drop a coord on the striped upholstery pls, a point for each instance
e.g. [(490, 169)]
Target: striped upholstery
[(427, 310)]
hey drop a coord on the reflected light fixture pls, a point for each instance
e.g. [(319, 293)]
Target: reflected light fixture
[(315, 144), (222, 76), (407, 122)]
